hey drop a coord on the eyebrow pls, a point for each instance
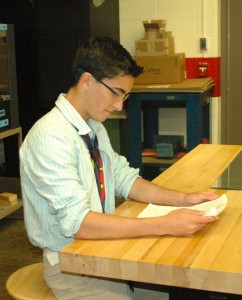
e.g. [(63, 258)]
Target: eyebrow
[(119, 89)]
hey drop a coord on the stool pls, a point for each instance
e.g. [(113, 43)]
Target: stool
[(28, 283)]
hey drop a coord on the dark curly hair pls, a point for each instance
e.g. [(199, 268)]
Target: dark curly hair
[(103, 57)]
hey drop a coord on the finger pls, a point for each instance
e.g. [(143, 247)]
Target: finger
[(208, 219), (209, 195), (193, 211), (205, 219)]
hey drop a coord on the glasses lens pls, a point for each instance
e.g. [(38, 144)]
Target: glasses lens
[(115, 93)]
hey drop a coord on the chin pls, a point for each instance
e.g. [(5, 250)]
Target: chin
[(106, 114), (102, 118)]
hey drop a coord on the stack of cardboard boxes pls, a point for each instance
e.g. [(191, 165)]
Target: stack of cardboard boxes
[(156, 53)]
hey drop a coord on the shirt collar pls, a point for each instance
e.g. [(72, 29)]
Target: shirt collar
[(73, 117)]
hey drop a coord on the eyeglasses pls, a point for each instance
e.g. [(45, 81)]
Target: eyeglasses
[(118, 93)]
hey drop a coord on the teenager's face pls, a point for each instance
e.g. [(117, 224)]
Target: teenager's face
[(107, 96)]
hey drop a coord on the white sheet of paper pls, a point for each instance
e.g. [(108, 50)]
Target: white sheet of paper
[(153, 210)]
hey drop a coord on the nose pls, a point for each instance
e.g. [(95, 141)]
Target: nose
[(118, 105)]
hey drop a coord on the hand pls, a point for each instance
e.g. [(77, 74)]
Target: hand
[(185, 222), (197, 197)]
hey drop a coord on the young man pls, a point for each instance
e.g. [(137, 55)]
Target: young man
[(66, 197)]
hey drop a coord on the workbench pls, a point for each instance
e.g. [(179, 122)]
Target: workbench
[(193, 94), (209, 260)]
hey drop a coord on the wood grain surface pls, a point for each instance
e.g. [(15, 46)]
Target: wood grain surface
[(209, 260)]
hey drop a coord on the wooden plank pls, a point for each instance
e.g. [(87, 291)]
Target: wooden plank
[(118, 115), (10, 132), (7, 210), (162, 161), (8, 199), (198, 169), (194, 84)]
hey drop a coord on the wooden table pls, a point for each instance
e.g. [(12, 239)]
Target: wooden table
[(209, 260)]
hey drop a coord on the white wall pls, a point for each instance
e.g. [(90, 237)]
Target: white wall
[(189, 20)]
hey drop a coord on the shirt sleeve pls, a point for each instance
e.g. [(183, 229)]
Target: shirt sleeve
[(58, 181), (124, 175)]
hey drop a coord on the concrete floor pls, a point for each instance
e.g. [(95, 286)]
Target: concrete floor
[(15, 248)]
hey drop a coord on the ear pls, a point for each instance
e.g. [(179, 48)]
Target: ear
[(85, 80)]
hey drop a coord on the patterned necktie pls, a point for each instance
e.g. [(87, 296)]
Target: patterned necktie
[(97, 165)]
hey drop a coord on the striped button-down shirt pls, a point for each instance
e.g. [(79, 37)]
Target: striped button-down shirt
[(57, 177)]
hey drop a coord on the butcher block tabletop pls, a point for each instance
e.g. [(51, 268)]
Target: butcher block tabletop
[(209, 260)]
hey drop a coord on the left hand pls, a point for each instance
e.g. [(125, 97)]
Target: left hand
[(197, 197)]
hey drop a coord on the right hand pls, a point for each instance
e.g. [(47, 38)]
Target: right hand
[(185, 222)]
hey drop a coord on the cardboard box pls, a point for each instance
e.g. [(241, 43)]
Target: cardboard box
[(153, 29), (164, 46), (166, 34), (161, 69), (157, 41)]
